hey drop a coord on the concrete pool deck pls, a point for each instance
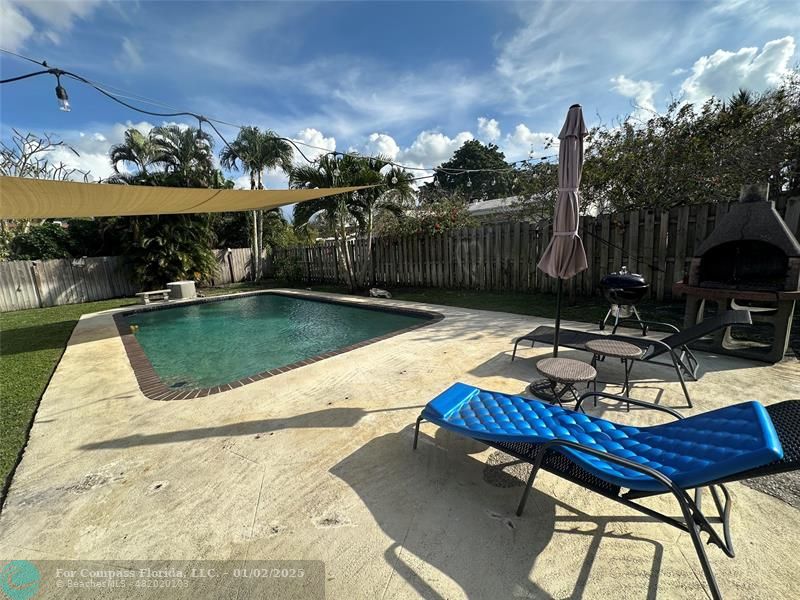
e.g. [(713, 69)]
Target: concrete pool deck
[(316, 463)]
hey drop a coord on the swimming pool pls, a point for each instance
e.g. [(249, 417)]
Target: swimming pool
[(215, 345)]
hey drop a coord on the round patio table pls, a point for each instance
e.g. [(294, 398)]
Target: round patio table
[(565, 372), (627, 353)]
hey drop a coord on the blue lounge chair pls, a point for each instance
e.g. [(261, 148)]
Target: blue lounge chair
[(706, 450)]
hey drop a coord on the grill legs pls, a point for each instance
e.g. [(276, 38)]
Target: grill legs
[(615, 311)]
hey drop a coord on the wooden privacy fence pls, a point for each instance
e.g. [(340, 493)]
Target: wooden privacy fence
[(41, 283), (233, 265), (503, 256)]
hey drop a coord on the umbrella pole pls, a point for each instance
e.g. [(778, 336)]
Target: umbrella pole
[(558, 317)]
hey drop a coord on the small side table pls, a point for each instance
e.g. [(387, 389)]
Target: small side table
[(567, 372), (625, 352)]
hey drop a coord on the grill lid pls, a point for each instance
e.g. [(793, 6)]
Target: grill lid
[(623, 280)]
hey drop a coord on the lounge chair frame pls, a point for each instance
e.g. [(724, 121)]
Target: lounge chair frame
[(694, 522), (675, 345)]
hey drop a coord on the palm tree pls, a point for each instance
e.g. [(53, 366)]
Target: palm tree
[(742, 98), (185, 153), (328, 172), (253, 151), (137, 149), (390, 187), (391, 196)]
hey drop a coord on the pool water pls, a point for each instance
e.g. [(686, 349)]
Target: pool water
[(213, 343)]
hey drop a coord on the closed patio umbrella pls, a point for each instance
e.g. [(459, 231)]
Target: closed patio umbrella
[(565, 256)]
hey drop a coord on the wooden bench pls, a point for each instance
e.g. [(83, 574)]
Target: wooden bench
[(147, 297)]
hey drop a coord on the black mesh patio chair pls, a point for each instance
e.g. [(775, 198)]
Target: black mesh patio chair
[(675, 346), (626, 463)]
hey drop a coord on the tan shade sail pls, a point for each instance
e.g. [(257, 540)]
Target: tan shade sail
[(40, 199)]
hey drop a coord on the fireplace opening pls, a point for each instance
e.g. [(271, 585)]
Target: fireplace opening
[(744, 265)]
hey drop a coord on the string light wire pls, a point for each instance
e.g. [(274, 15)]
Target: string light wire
[(116, 94), (119, 93)]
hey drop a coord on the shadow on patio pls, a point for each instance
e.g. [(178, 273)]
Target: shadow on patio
[(326, 418), (454, 533)]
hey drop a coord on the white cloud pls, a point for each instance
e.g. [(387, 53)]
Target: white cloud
[(14, 27), (488, 129), (383, 144), (21, 20), (722, 73), (93, 147), (642, 93), (273, 179), (316, 138), (129, 57), (518, 144), (431, 148)]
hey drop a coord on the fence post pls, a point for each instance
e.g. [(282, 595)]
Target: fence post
[(36, 284)]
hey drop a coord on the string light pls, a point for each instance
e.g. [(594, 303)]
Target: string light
[(469, 182), (61, 95), (394, 180)]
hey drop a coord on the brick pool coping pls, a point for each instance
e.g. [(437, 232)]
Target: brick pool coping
[(153, 388)]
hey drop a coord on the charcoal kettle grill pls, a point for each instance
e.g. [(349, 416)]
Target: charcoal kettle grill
[(623, 290)]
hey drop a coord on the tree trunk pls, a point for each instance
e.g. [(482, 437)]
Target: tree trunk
[(365, 274), (348, 262), (260, 233), (340, 264), (254, 247)]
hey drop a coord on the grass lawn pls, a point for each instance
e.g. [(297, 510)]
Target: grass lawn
[(31, 344)]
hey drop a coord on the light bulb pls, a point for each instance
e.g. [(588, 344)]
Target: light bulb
[(394, 180), (63, 98), (336, 172), (436, 182), (469, 182), (494, 181)]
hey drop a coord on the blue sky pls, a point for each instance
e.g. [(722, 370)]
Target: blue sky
[(409, 79)]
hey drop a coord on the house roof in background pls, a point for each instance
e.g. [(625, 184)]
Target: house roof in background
[(493, 206)]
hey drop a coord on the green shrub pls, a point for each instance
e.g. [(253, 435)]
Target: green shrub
[(41, 242), (289, 269)]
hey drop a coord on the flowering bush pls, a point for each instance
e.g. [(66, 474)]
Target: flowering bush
[(429, 219)]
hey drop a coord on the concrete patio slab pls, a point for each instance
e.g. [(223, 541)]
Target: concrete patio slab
[(316, 464)]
